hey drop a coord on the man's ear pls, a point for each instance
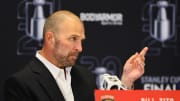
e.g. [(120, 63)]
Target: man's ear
[(49, 37)]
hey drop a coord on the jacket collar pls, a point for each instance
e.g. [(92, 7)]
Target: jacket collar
[(46, 80)]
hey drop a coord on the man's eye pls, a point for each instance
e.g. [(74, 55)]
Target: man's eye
[(73, 38)]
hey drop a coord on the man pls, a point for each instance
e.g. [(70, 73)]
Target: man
[(53, 76)]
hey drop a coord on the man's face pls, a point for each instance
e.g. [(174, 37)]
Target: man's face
[(68, 43)]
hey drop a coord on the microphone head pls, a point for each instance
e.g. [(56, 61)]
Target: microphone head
[(109, 82)]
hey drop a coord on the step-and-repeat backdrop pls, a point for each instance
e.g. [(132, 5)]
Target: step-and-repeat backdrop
[(115, 29)]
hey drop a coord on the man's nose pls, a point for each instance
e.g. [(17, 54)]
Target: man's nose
[(78, 46)]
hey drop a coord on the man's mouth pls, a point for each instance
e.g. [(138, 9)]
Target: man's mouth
[(74, 56)]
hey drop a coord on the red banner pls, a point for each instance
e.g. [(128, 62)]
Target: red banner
[(137, 95)]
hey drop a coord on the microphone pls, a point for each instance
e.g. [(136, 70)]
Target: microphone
[(111, 82)]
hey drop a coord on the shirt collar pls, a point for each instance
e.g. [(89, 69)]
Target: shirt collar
[(54, 70)]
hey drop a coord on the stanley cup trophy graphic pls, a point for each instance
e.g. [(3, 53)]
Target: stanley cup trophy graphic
[(161, 28), (38, 20), (160, 22), (31, 15)]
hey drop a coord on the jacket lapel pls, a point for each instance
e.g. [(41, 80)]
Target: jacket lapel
[(83, 84), (75, 83), (46, 81), (78, 85)]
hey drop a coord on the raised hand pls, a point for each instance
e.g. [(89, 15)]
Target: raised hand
[(134, 68)]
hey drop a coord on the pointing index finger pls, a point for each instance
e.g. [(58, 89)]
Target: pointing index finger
[(144, 51)]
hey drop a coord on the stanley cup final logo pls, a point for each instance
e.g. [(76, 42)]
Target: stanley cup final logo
[(161, 27), (36, 21), (31, 16), (159, 20)]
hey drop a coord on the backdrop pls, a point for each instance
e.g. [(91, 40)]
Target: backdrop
[(114, 29)]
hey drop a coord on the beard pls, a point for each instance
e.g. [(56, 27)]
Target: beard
[(68, 60), (64, 60)]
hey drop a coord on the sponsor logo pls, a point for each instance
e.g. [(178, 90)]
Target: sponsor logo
[(103, 18)]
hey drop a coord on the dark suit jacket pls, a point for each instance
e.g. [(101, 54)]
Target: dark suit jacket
[(35, 83)]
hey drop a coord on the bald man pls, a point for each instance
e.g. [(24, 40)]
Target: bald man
[(52, 74)]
